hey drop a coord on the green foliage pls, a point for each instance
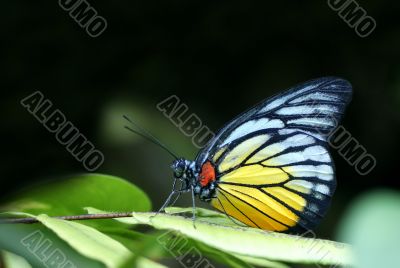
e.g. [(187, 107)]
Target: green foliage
[(215, 238), (30, 241), (70, 195), (217, 230), (12, 260), (371, 225), (88, 241)]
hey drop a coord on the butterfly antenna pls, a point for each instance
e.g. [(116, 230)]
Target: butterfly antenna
[(147, 135)]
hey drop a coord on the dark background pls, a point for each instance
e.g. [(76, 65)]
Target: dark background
[(218, 58)]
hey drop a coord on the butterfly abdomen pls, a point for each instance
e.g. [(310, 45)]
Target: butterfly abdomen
[(205, 183), (207, 174)]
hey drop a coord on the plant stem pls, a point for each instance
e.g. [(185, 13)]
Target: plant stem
[(71, 218)]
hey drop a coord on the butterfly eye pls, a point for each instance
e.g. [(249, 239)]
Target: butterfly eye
[(179, 167), (178, 172)]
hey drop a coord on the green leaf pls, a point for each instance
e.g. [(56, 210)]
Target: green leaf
[(88, 241), (70, 238), (92, 243), (71, 195), (144, 263), (12, 260), (180, 246), (129, 238), (261, 262), (215, 216), (41, 247), (371, 225), (248, 241), (233, 260)]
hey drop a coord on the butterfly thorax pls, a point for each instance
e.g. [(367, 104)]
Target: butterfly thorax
[(201, 179)]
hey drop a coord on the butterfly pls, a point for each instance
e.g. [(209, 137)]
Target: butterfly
[(270, 167)]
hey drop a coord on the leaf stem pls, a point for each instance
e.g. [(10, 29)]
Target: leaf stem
[(70, 218)]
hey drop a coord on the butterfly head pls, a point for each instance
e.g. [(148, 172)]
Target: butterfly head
[(184, 170), (200, 180)]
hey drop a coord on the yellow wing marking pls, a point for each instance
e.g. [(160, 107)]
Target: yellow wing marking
[(241, 151), (255, 174), (264, 212), (241, 211), (301, 186), (229, 209), (266, 152), (263, 202), (295, 201), (218, 154)]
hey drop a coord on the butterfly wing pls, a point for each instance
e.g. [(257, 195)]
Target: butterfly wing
[(272, 164)]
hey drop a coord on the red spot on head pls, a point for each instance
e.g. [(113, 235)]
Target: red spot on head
[(207, 174)]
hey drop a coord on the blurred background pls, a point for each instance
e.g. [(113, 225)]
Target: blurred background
[(219, 58)]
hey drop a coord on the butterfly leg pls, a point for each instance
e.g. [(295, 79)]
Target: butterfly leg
[(177, 196), (174, 191), (193, 207)]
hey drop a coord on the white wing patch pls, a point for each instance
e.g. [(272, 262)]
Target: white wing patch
[(325, 122), (278, 147), (282, 100), (287, 131), (306, 187), (314, 97), (308, 109), (317, 153), (322, 172), (252, 126), (322, 188), (314, 153)]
